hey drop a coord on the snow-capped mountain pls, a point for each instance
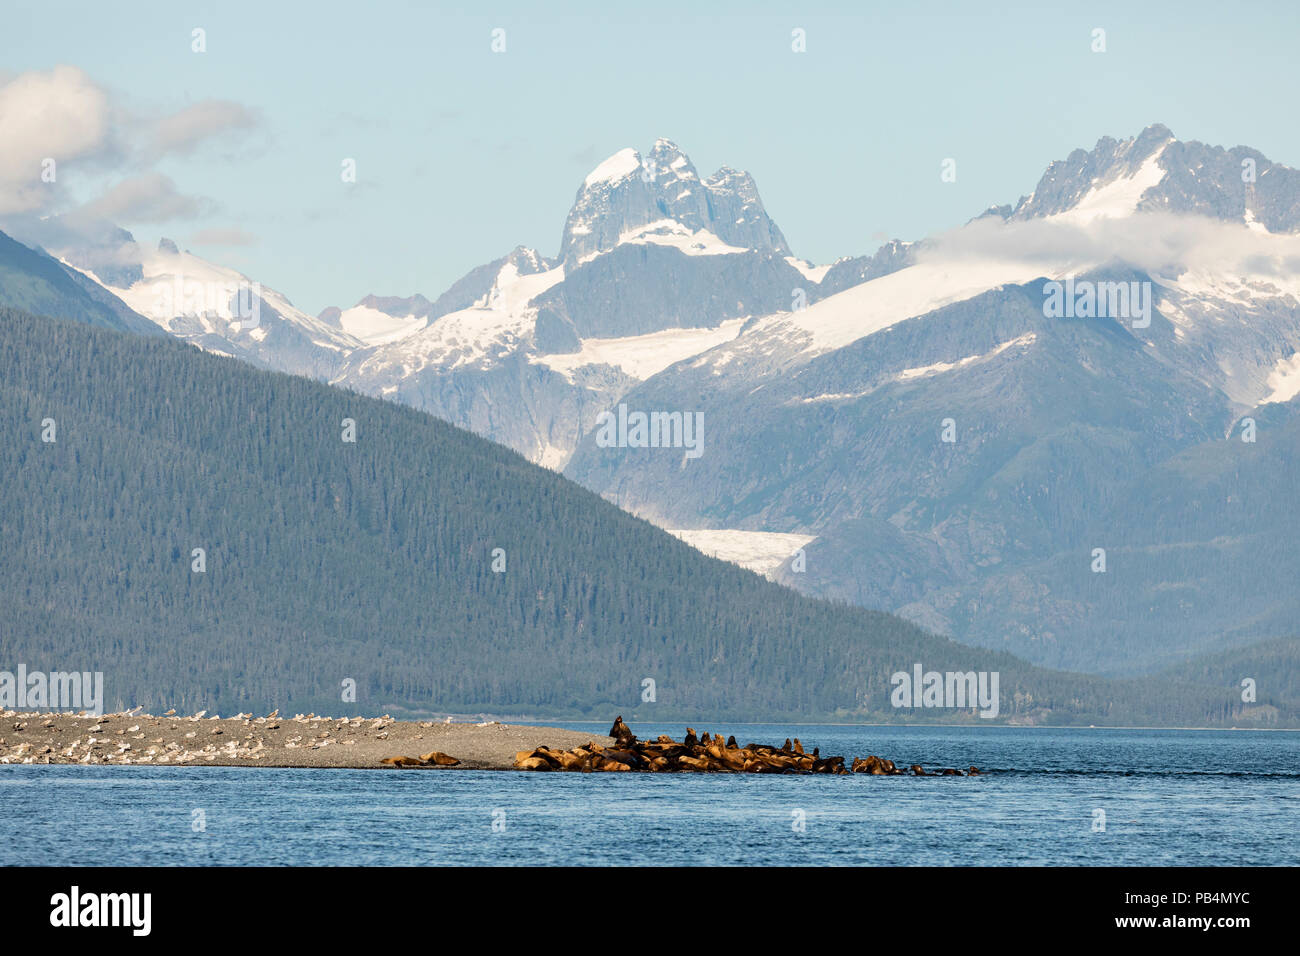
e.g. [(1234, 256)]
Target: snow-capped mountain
[(661, 199), (655, 266), (918, 430), (212, 306), (959, 448)]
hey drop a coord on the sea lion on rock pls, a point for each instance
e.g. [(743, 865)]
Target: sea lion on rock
[(973, 772), (628, 757), (918, 770), (694, 763), (621, 732), (731, 743), (798, 747), (690, 739), (403, 762), (440, 759)]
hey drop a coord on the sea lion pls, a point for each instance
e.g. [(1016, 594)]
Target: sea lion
[(786, 748), (440, 759), (403, 762), (917, 769), (731, 743), (973, 772), (620, 731), (532, 763), (628, 757), (690, 739), (798, 747)]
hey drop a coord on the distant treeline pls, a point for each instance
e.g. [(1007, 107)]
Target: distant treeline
[(376, 561)]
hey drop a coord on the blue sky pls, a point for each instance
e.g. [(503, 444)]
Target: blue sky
[(462, 153)]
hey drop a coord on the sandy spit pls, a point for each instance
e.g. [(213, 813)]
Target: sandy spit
[(270, 741)]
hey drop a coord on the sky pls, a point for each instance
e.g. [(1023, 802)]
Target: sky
[(462, 153)]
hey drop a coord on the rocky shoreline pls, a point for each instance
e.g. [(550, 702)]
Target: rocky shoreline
[(307, 740)]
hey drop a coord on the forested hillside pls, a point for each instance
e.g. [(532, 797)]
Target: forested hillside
[(326, 560), (1272, 666)]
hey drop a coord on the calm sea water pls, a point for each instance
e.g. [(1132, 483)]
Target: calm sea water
[(1169, 797)]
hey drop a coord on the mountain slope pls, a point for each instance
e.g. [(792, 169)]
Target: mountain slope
[(372, 561), (36, 282)]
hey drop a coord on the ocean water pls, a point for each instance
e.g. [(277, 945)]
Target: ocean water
[(1168, 798)]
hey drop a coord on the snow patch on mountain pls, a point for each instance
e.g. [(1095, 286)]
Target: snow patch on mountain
[(862, 310), (619, 166), (373, 327), (1117, 198), (760, 551), (179, 284), (1284, 381), (642, 356), (498, 324)]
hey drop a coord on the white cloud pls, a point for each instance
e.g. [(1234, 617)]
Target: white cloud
[(96, 146), (1156, 242), (149, 197), (61, 116), (182, 132)]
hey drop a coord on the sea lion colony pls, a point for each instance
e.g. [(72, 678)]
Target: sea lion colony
[(704, 754)]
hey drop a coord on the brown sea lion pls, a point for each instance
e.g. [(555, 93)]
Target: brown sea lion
[(628, 757), (439, 758), (621, 733), (532, 763), (973, 772), (403, 762), (690, 740), (731, 743), (798, 747)]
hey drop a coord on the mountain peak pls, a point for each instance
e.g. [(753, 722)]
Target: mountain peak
[(628, 191), (1156, 171)]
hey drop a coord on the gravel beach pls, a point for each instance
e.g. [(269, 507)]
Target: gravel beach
[(270, 741)]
